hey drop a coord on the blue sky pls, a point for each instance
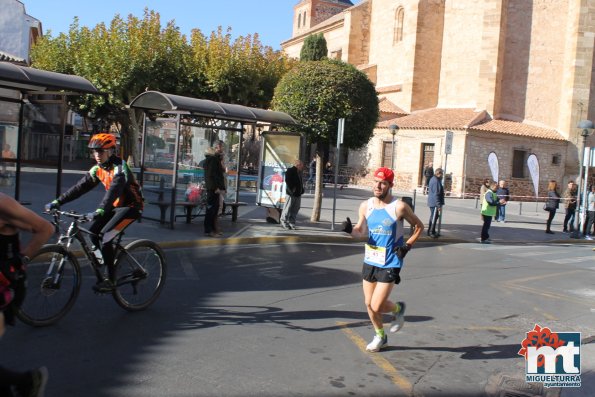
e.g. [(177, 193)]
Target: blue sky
[(271, 19)]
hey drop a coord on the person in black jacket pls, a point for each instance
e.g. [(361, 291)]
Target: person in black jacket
[(435, 201), (428, 174), (552, 204), (215, 186), (294, 190)]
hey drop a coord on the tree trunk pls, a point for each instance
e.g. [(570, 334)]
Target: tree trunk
[(130, 136), (317, 191)]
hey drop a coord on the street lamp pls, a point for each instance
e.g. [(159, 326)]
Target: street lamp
[(393, 128), (586, 126)]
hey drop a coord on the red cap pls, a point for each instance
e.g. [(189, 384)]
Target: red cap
[(386, 174)]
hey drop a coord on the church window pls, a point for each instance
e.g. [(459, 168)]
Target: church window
[(305, 18), (299, 20), (399, 16)]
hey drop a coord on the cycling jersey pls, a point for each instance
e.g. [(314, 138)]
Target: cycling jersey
[(122, 189)]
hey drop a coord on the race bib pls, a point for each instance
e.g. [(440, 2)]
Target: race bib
[(375, 255)]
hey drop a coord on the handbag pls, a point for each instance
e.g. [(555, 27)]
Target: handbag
[(545, 207)]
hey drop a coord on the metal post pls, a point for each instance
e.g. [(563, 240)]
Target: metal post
[(340, 131), (392, 157)]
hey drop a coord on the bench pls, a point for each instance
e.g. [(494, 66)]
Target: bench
[(234, 209), (164, 205)]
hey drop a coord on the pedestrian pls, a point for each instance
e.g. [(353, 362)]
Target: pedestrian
[(428, 174), (485, 186), (215, 187), (435, 201), (551, 205), (13, 259), (488, 210), (312, 170), (590, 213), (121, 205), (294, 188), (569, 197), (503, 194), (381, 220)]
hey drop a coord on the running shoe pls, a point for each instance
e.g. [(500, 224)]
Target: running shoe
[(377, 343), (399, 319)]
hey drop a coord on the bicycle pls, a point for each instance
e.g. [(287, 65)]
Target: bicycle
[(54, 273)]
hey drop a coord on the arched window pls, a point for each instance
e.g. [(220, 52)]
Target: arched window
[(305, 18), (299, 20), (399, 16)]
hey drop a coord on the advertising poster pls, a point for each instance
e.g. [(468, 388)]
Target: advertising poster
[(279, 151)]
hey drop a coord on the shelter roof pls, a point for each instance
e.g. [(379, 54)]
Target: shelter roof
[(36, 81), (159, 101)]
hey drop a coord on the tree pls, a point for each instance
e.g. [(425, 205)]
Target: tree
[(314, 48), (134, 55), (317, 94)]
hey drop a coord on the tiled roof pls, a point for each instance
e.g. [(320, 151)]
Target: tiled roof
[(519, 129), (387, 106), (469, 119), (437, 119)]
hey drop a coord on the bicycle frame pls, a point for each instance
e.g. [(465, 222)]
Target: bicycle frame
[(75, 232)]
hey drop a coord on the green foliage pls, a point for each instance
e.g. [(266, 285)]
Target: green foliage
[(317, 94), (314, 48), (133, 55)]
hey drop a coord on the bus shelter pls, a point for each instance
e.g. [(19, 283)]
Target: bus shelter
[(177, 133), (33, 129)]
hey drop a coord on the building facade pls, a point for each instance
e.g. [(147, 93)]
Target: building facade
[(18, 31), (505, 76)]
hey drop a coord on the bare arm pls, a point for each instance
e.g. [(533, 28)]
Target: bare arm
[(361, 228), (15, 215), (403, 211)]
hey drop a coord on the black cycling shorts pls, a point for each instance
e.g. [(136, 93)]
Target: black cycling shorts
[(374, 274)]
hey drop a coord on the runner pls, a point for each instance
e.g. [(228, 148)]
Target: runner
[(381, 220)]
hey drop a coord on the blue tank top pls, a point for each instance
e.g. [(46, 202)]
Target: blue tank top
[(385, 233)]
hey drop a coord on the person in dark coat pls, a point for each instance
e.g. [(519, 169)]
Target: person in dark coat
[(215, 186), (294, 190), (435, 201), (428, 174), (552, 204)]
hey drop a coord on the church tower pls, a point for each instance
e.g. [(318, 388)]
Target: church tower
[(309, 13)]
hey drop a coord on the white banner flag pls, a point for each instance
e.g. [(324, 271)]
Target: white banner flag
[(533, 166), (493, 163)]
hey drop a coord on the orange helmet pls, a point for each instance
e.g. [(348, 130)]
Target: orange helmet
[(102, 141)]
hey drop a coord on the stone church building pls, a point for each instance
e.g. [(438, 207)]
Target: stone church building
[(512, 77)]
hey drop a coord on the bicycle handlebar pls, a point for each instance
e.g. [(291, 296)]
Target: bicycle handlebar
[(80, 218)]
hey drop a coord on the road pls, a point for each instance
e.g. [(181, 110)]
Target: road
[(289, 320)]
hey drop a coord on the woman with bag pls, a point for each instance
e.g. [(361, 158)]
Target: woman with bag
[(552, 203)]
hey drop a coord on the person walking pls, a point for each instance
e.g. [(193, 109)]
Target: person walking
[(294, 190), (215, 187), (428, 174), (435, 201), (489, 205), (503, 194), (381, 219), (13, 259), (552, 204), (590, 213), (569, 197)]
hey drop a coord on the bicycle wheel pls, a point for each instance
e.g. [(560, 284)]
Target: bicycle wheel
[(140, 275), (52, 286)]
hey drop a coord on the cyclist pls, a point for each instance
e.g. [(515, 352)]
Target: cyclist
[(13, 258), (121, 205)]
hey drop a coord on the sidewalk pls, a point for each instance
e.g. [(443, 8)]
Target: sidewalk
[(461, 222)]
